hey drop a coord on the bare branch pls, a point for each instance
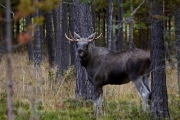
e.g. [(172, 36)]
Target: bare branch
[(5, 8), (134, 12)]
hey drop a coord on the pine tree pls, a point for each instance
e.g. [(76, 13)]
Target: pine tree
[(159, 99)]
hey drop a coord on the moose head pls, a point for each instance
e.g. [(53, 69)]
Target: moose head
[(82, 43)]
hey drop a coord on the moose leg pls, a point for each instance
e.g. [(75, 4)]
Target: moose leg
[(146, 82), (97, 101), (143, 91)]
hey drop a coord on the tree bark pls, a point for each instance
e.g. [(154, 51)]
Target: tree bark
[(120, 30), (29, 45), (131, 30), (50, 38), (58, 31), (159, 102), (177, 36), (37, 44), (109, 24), (64, 41), (71, 27), (83, 26), (9, 61)]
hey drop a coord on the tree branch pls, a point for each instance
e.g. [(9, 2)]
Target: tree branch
[(134, 12), (6, 8)]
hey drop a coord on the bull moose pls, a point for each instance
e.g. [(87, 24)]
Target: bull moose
[(104, 67)]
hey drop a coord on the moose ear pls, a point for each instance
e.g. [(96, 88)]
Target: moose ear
[(92, 36), (76, 36)]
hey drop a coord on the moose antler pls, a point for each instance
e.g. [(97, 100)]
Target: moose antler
[(89, 39), (93, 35), (98, 36), (73, 39)]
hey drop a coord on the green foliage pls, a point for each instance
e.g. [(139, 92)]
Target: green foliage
[(127, 14), (49, 115), (167, 35), (127, 4), (84, 1), (3, 108), (140, 25), (38, 20), (27, 7), (174, 107), (99, 4)]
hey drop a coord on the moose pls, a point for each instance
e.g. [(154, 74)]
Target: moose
[(104, 67)]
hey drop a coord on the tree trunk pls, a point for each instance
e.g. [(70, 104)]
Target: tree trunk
[(104, 29), (126, 36), (109, 24), (166, 30), (64, 41), (37, 44), (58, 31), (83, 26), (177, 36), (9, 61), (71, 27), (159, 103), (131, 30), (50, 38), (29, 45), (120, 30)]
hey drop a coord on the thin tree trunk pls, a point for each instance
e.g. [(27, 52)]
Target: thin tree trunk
[(167, 52), (104, 29), (159, 98), (126, 36), (64, 41), (50, 38), (58, 31), (72, 44), (177, 36), (131, 30), (99, 23), (37, 44), (9, 61), (120, 30), (109, 24), (29, 45)]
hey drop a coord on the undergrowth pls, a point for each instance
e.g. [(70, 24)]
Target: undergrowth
[(46, 99), (72, 109)]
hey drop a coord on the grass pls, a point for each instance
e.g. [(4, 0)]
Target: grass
[(39, 95)]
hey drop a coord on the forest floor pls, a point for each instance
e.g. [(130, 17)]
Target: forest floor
[(38, 95)]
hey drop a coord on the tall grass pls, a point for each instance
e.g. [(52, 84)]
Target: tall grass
[(46, 99)]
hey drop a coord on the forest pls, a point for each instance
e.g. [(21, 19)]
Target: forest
[(42, 76)]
